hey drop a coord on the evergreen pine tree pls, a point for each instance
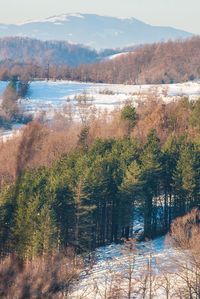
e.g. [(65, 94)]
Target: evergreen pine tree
[(185, 180), (150, 176)]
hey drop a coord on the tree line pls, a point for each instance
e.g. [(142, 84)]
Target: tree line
[(160, 63)]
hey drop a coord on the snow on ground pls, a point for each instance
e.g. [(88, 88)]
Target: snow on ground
[(114, 56), (112, 264), (54, 19), (152, 262), (52, 96), (8, 134), (113, 261)]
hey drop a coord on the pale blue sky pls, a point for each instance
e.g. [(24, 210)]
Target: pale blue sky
[(183, 14)]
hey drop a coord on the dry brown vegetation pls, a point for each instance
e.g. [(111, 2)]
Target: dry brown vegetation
[(49, 142), (173, 61), (185, 237), (157, 63), (44, 277), (173, 117), (185, 232), (168, 276)]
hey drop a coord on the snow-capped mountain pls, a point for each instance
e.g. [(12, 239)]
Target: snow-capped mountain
[(93, 30)]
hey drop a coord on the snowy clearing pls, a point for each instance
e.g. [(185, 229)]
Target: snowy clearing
[(113, 264), (45, 95), (52, 96)]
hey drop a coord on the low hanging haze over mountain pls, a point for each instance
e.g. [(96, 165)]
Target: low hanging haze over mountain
[(93, 30)]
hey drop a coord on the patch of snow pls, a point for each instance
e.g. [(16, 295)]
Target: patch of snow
[(114, 259), (114, 56), (6, 135), (54, 19), (77, 15)]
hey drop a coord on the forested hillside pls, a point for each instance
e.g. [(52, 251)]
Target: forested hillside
[(151, 64), (169, 62), (41, 53)]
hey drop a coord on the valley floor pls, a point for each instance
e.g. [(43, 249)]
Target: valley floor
[(50, 97)]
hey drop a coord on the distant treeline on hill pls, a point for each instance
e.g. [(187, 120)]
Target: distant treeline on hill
[(36, 52), (15, 51), (168, 62)]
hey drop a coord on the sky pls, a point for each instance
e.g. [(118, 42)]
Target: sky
[(182, 14)]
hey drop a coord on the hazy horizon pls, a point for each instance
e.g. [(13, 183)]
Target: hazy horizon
[(178, 14)]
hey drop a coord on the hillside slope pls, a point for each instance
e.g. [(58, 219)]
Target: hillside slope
[(25, 50), (169, 62)]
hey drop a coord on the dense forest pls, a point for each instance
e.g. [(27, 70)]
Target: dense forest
[(87, 199), (169, 62)]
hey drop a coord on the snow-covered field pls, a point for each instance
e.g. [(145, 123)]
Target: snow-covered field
[(45, 95), (52, 96), (114, 263)]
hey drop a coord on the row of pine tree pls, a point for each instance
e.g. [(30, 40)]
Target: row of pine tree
[(88, 197)]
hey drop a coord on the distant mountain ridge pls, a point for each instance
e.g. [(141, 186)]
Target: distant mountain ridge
[(93, 30)]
